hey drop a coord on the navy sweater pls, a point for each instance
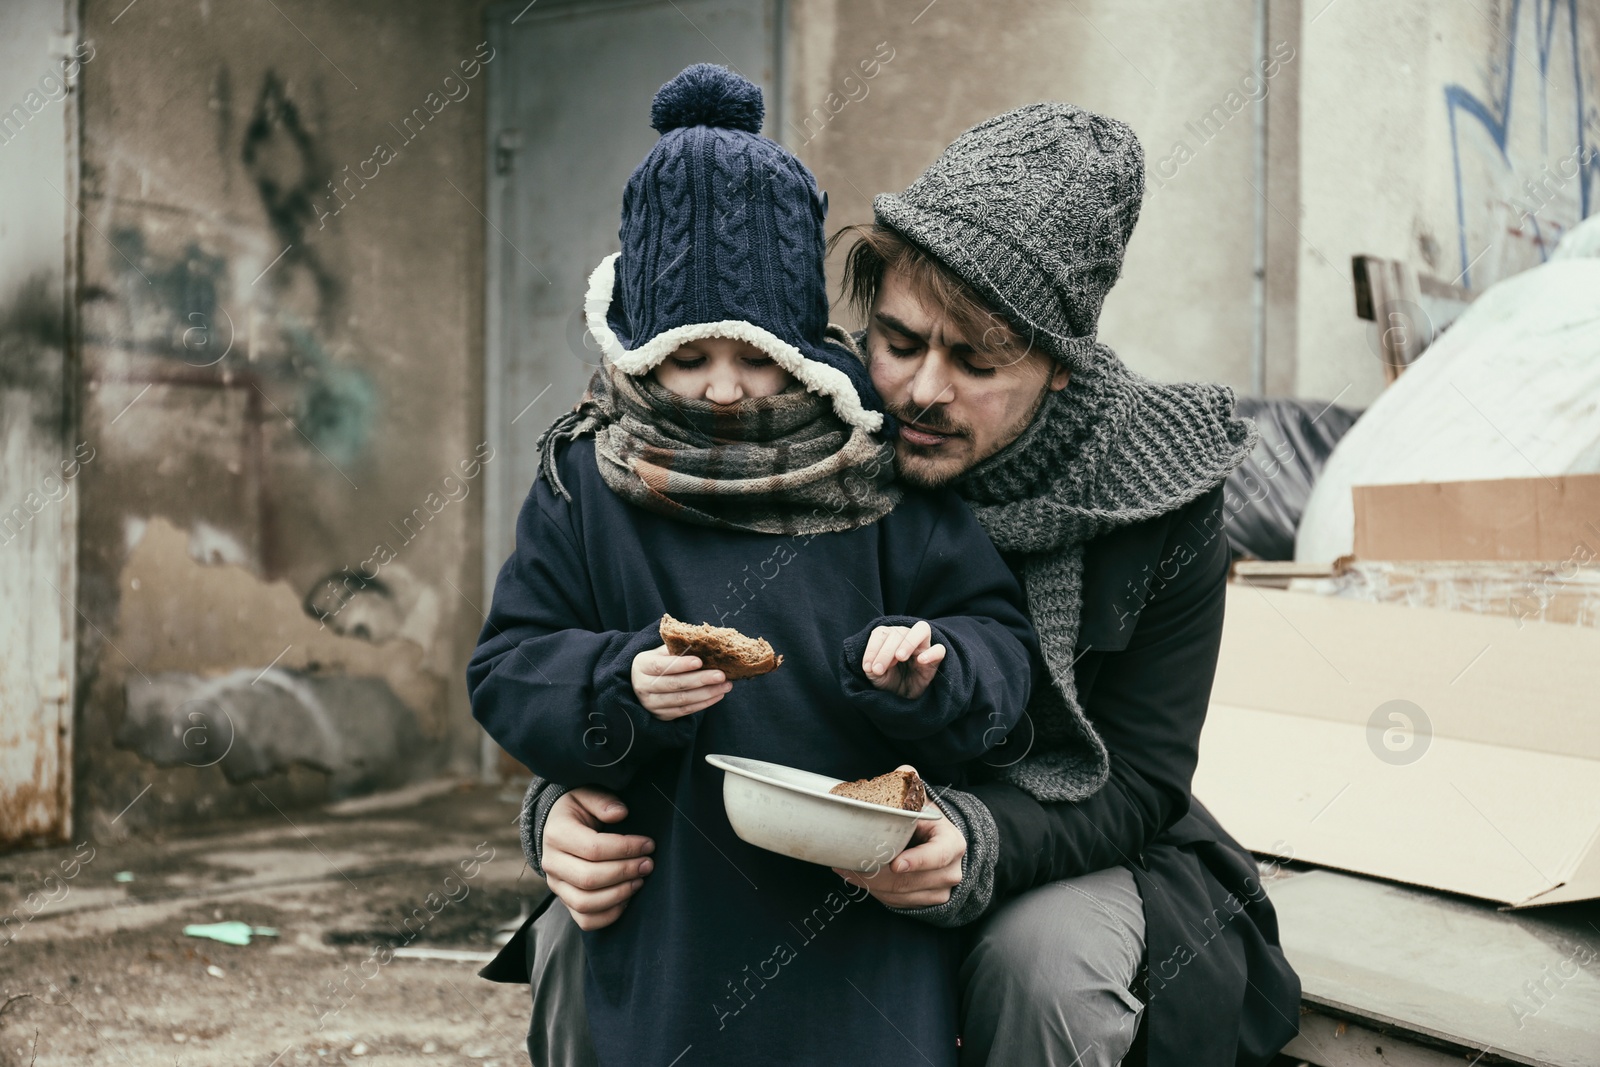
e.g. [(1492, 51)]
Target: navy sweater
[(731, 953)]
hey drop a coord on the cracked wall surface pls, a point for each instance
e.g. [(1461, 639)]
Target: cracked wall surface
[(281, 375)]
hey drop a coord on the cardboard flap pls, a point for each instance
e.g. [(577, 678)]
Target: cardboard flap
[(1584, 883), (1498, 518), (1502, 824), (1494, 680), (1486, 781)]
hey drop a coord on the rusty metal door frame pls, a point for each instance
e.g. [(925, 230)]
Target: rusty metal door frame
[(37, 666)]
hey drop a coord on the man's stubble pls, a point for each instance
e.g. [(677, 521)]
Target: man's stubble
[(911, 460)]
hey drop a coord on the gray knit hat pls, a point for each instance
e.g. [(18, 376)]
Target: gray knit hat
[(1033, 210)]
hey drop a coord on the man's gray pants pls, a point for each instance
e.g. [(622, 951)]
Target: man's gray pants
[(1045, 981)]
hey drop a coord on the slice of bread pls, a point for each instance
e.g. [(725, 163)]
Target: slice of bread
[(897, 789), (719, 648)]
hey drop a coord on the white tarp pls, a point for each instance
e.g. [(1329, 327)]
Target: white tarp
[(1511, 390)]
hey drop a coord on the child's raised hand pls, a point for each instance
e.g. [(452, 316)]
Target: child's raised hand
[(671, 687), (901, 660)]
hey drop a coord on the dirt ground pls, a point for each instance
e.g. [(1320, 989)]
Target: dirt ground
[(95, 966)]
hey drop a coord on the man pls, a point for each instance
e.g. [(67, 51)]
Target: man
[(1102, 905)]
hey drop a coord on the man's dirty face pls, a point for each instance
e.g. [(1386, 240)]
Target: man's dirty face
[(959, 399)]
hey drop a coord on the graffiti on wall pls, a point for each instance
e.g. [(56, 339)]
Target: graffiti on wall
[(288, 167), (1525, 158), (256, 308)]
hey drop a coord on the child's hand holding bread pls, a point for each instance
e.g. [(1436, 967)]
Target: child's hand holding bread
[(668, 680), (671, 686)]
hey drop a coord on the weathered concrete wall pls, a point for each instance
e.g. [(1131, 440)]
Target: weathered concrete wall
[(1458, 138), (282, 301), (1409, 131), (1182, 75), (282, 377)]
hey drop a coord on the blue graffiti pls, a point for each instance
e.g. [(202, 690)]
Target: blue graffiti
[(1495, 115)]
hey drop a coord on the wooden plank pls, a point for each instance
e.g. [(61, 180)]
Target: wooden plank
[(1521, 985), (1387, 294), (1281, 568), (1411, 309), (1330, 1042), (1277, 574)]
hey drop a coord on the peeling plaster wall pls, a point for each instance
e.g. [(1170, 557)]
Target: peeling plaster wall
[(1183, 306), (282, 334), (1432, 132)]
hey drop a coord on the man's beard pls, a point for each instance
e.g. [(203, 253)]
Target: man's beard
[(929, 472), (920, 465)]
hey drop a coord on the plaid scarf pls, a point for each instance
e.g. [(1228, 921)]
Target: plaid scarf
[(782, 464)]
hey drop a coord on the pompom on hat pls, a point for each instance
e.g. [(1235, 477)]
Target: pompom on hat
[(708, 95), (722, 236)]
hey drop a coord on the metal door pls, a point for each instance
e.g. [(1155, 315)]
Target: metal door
[(569, 118)]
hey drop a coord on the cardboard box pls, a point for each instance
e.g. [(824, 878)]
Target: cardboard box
[(1544, 519), (1486, 781)]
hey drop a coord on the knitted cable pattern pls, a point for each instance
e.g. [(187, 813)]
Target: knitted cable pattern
[(721, 225), (1111, 449), (798, 267), (734, 210), (1034, 209), (661, 287)]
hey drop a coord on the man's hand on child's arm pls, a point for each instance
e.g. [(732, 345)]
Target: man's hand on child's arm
[(592, 871), (901, 659), (671, 687)]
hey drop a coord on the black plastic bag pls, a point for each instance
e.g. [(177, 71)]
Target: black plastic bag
[(1267, 494)]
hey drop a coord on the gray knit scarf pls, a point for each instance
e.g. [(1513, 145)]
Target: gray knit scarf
[(782, 464), (1111, 449)]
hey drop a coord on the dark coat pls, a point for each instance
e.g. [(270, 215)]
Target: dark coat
[(730, 948), (1218, 987)]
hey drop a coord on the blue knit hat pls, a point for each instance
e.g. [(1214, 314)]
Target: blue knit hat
[(722, 237)]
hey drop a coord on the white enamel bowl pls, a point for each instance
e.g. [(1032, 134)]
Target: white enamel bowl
[(790, 812)]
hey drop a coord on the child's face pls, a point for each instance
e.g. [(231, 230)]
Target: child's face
[(721, 370)]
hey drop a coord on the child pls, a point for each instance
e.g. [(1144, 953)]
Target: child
[(722, 468)]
